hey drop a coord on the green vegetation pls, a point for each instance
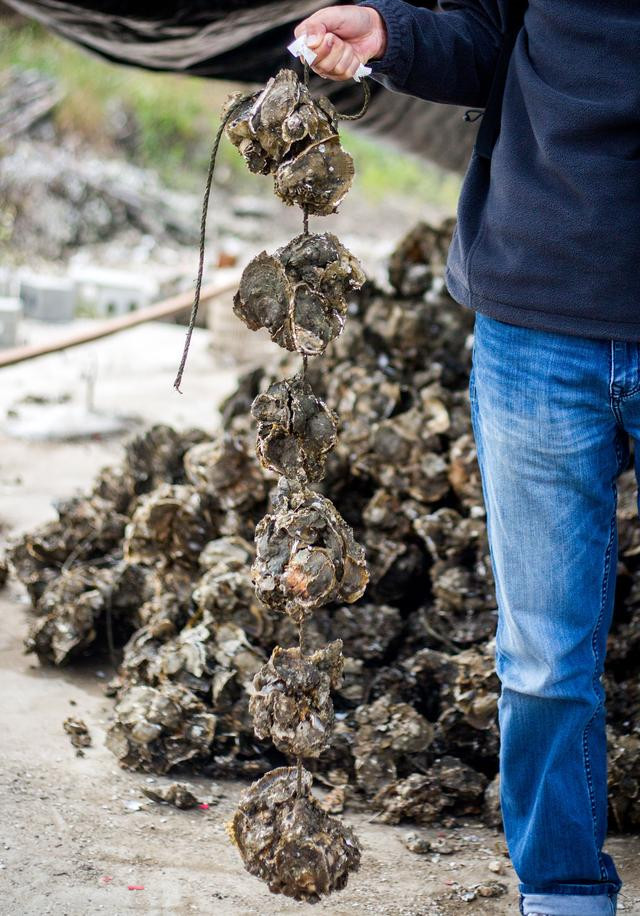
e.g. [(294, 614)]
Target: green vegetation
[(175, 118), (382, 170)]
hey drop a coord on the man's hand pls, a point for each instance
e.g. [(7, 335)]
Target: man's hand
[(343, 37)]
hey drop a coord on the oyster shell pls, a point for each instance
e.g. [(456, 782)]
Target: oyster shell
[(157, 728), (286, 131), (225, 592), (411, 266), (450, 787), (624, 779), (318, 178), (306, 554), (387, 731), (171, 524), (283, 115), (299, 294), (295, 429), (227, 471), (85, 529), (291, 702), (289, 841), (367, 630), (72, 606), (79, 734), (176, 793)]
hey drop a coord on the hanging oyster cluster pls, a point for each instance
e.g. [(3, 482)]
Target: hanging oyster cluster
[(306, 554), (287, 133)]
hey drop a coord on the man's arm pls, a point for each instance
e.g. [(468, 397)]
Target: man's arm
[(448, 56), (443, 57)]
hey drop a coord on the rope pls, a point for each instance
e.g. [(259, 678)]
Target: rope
[(365, 104), (203, 228)]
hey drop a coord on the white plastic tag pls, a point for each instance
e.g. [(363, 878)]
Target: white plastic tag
[(300, 48)]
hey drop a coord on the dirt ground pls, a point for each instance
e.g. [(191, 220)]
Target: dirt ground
[(77, 833)]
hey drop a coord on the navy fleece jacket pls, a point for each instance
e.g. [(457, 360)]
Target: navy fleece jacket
[(548, 232)]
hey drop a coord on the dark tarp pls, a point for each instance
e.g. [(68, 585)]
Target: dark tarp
[(246, 42)]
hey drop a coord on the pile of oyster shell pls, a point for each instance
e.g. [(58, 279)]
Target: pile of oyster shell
[(413, 712)]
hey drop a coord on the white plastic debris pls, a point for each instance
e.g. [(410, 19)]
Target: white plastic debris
[(300, 48), (361, 72)]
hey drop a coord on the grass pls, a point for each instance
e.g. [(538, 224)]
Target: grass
[(176, 117)]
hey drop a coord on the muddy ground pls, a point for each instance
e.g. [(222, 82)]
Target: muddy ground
[(77, 831)]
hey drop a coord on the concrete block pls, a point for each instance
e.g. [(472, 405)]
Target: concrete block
[(102, 291), (9, 283), (47, 298), (10, 313)]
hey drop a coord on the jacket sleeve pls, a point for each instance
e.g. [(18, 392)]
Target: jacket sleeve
[(447, 56)]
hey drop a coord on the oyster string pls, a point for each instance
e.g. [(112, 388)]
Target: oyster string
[(365, 104), (203, 228)]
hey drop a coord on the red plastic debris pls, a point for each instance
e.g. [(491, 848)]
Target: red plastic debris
[(204, 806), (135, 887)]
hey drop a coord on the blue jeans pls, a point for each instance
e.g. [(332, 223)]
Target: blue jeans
[(552, 417)]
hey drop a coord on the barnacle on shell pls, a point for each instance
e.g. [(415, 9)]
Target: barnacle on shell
[(295, 429), (291, 702), (299, 294), (306, 554), (286, 131), (289, 841)]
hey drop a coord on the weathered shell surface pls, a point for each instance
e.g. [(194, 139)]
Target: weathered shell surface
[(72, 606), (225, 469), (282, 116), (624, 779), (387, 731), (299, 294), (225, 592), (177, 794), (158, 728), (306, 554), (296, 429), (411, 264), (290, 841), (449, 787), (172, 523), (291, 702), (85, 528), (286, 131), (318, 178)]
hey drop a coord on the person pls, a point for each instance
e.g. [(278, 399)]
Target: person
[(545, 252)]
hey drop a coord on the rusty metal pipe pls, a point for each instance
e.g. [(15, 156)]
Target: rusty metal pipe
[(164, 309)]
